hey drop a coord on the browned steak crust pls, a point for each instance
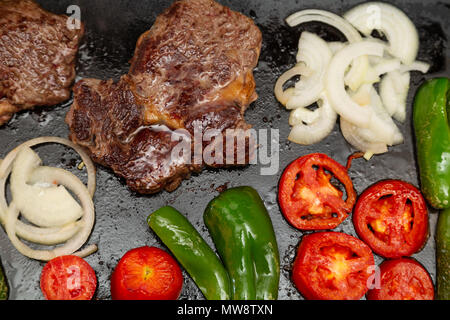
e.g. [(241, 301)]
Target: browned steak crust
[(37, 57), (193, 71)]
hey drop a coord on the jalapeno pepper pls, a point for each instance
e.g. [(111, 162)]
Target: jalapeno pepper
[(431, 126), (443, 255), (243, 234), (191, 250), (3, 285)]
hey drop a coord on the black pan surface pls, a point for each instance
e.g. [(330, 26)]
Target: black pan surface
[(112, 30)]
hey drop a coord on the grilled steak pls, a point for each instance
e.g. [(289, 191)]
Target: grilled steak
[(37, 57), (191, 72)]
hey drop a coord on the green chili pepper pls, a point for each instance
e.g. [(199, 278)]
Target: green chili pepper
[(3, 285), (243, 234), (443, 255), (431, 126), (191, 250)]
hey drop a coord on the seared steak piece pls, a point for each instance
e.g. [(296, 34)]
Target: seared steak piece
[(193, 70), (37, 57)]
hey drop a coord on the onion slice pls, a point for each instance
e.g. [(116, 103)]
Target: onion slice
[(51, 235), (327, 17), (50, 206), (70, 247), (283, 96), (335, 46), (317, 130), (303, 115), (399, 30), (416, 66), (382, 127), (394, 92), (356, 75), (335, 87), (316, 55), (351, 134), (87, 221), (382, 132), (382, 66)]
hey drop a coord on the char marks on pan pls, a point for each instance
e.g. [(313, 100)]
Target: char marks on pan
[(193, 70), (37, 57)]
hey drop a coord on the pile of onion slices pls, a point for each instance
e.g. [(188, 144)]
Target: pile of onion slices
[(50, 216), (364, 80)]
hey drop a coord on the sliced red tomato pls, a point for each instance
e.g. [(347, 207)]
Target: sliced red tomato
[(392, 218), (332, 266), (68, 278), (403, 279), (307, 196), (146, 273)]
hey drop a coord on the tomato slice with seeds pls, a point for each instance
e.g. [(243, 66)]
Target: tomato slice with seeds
[(308, 198), (146, 273), (68, 278), (332, 266), (403, 279), (392, 218)]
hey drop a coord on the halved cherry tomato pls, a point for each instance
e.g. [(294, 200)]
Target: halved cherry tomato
[(403, 279), (332, 266), (146, 273), (308, 199), (68, 278), (392, 218)]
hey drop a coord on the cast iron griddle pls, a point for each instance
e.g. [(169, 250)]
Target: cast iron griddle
[(113, 28)]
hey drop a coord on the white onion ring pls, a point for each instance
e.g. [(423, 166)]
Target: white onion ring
[(356, 75), (395, 24), (316, 55), (387, 65), (326, 17), (335, 46), (415, 66), (337, 95), (41, 203), (350, 133), (382, 133), (44, 255), (394, 90), (87, 221), (381, 128), (303, 115), (283, 96), (307, 134), (45, 236)]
